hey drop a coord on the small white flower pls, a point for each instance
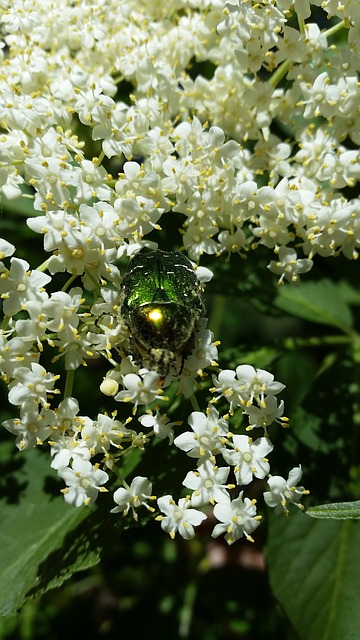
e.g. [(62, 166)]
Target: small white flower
[(63, 308), (75, 347), (248, 457), (65, 418), (266, 414), (238, 518), (103, 433), (283, 491), (245, 385), (100, 219), (205, 352), (140, 390), (204, 274), (179, 517), (180, 177), (321, 97), (160, 424), (13, 351), (289, 266), (133, 497), (232, 242), (90, 182), (107, 333), (205, 439), (6, 249), (207, 483), (84, 481), (256, 383), (15, 19), (140, 203), (31, 429), (50, 175), (32, 384), (33, 328), (198, 237), (65, 448), (18, 285), (227, 386), (55, 226)]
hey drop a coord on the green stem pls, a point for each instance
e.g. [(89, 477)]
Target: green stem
[(337, 27), (70, 375), (90, 275), (187, 610), (301, 23), (217, 311), (282, 70), (5, 323), (295, 343), (194, 403), (69, 282), (100, 158), (118, 79), (42, 267), (280, 73)]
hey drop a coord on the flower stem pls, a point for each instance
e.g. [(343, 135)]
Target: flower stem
[(217, 311), (69, 282), (314, 341), (70, 375)]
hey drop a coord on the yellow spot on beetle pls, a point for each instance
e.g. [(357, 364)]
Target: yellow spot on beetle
[(155, 315)]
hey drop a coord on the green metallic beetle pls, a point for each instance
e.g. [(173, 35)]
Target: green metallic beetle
[(162, 304)]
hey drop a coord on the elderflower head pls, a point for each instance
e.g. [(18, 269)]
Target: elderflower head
[(179, 149)]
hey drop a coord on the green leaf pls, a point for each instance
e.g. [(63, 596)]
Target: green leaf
[(260, 358), (336, 510), (307, 427), (314, 574), (43, 540), (319, 302), (298, 369), (349, 293)]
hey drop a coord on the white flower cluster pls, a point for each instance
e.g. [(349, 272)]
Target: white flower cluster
[(236, 183), (224, 113), (84, 450), (209, 484)]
